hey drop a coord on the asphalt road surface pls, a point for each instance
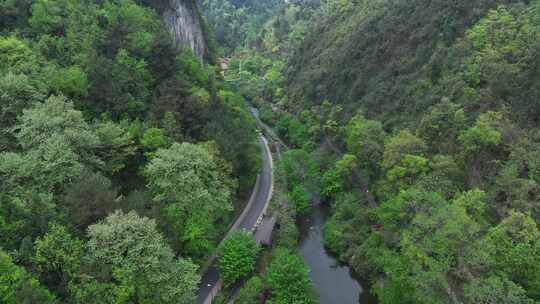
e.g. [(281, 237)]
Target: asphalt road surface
[(211, 277)]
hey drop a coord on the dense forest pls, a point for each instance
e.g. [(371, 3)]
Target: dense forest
[(122, 157), (417, 121), (125, 157)]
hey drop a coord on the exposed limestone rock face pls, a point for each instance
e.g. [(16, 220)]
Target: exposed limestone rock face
[(183, 20)]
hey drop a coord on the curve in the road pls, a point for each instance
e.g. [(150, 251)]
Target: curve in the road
[(210, 282)]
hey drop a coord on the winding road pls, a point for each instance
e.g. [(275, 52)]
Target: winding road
[(210, 282)]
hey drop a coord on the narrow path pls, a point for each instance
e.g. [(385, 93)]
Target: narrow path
[(210, 283)]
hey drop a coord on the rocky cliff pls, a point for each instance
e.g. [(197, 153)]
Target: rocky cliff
[(184, 21)]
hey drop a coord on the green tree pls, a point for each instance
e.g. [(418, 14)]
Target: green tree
[(495, 289), (251, 292), (404, 174), (513, 249), (57, 117), (91, 197), (16, 93), (58, 257), (301, 169), (401, 144), (186, 179), (139, 259), (301, 199), (365, 140), (441, 127), (154, 139), (237, 257), (483, 134), (288, 278), (71, 81), (116, 145), (479, 143), (17, 286)]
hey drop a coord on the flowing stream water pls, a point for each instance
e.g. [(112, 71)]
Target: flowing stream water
[(333, 280)]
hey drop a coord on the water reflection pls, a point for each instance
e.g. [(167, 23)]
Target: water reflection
[(333, 281)]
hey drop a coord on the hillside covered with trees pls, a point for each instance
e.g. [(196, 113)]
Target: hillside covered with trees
[(122, 157), (417, 121)]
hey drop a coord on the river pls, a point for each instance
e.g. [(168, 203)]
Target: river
[(333, 281)]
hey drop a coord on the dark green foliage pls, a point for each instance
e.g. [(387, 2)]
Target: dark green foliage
[(237, 23), (88, 199), (17, 286), (391, 57)]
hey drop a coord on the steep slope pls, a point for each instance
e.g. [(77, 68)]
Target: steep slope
[(182, 18), (385, 56), (435, 106)]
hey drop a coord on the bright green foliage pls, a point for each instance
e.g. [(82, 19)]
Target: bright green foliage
[(17, 286), (483, 134), (301, 199), (431, 248), (59, 255), (237, 257), (348, 223), (138, 259), (403, 143), (513, 249), (442, 125), (288, 279), (301, 169), (132, 79), (400, 211), (495, 289), (237, 23), (444, 176), (365, 139), (407, 171), (302, 177), (138, 26), (57, 251), (71, 81), (14, 53), (474, 202), (292, 130), (154, 139), (116, 145), (51, 16), (192, 68), (186, 180), (456, 84), (332, 183), (517, 181), (251, 292)]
